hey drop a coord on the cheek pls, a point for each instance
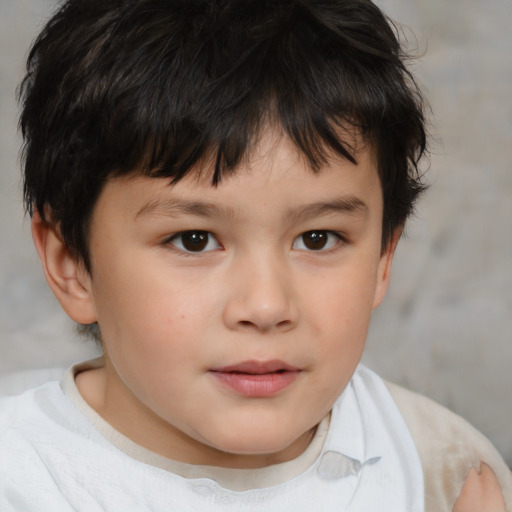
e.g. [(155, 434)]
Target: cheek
[(340, 313), (344, 300), (158, 318)]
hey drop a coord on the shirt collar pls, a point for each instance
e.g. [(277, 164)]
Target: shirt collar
[(354, 438)]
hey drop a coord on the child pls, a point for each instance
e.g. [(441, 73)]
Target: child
[(217, 188)]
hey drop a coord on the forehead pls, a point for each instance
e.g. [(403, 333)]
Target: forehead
[(274, 175)]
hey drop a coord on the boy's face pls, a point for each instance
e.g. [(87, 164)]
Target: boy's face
[(232, 317)]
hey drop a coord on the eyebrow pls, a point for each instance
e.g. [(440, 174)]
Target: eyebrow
[(174, 208), (346, 205)]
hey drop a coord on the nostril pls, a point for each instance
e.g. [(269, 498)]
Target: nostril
[(284, 324), (265, 325)]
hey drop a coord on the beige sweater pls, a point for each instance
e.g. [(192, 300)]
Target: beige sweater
[(448, 447)]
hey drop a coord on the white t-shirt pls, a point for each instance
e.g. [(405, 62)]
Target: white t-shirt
[(57, 454)]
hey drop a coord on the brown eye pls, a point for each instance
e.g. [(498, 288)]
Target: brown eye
[(195, 241), (316, 240)]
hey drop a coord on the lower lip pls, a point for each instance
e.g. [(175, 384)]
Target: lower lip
[(255, 385)]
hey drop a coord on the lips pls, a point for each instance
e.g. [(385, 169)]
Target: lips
[(256, 379)]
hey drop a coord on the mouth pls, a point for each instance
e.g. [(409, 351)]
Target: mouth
[(256, 379)]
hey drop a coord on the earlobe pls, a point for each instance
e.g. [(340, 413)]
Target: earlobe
[(68, 279), (384, 270)]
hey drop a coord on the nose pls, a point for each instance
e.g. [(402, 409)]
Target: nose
[(262, 296)]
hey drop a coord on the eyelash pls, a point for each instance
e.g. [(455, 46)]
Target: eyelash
[(204, 239)]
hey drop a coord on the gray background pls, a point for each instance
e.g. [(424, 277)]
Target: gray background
[(446, 327)]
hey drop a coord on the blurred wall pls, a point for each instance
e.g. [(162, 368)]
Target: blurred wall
[(446, 327)]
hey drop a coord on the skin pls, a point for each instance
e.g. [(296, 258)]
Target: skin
[(481, 492), (256, 292), (168, 317)]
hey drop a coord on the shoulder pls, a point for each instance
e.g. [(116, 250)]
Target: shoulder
[(26, 414), (451, 452), (33, 433), (12, 410), (31, 418)]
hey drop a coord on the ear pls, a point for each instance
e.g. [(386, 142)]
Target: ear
[(67, 277), (384, 269)]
